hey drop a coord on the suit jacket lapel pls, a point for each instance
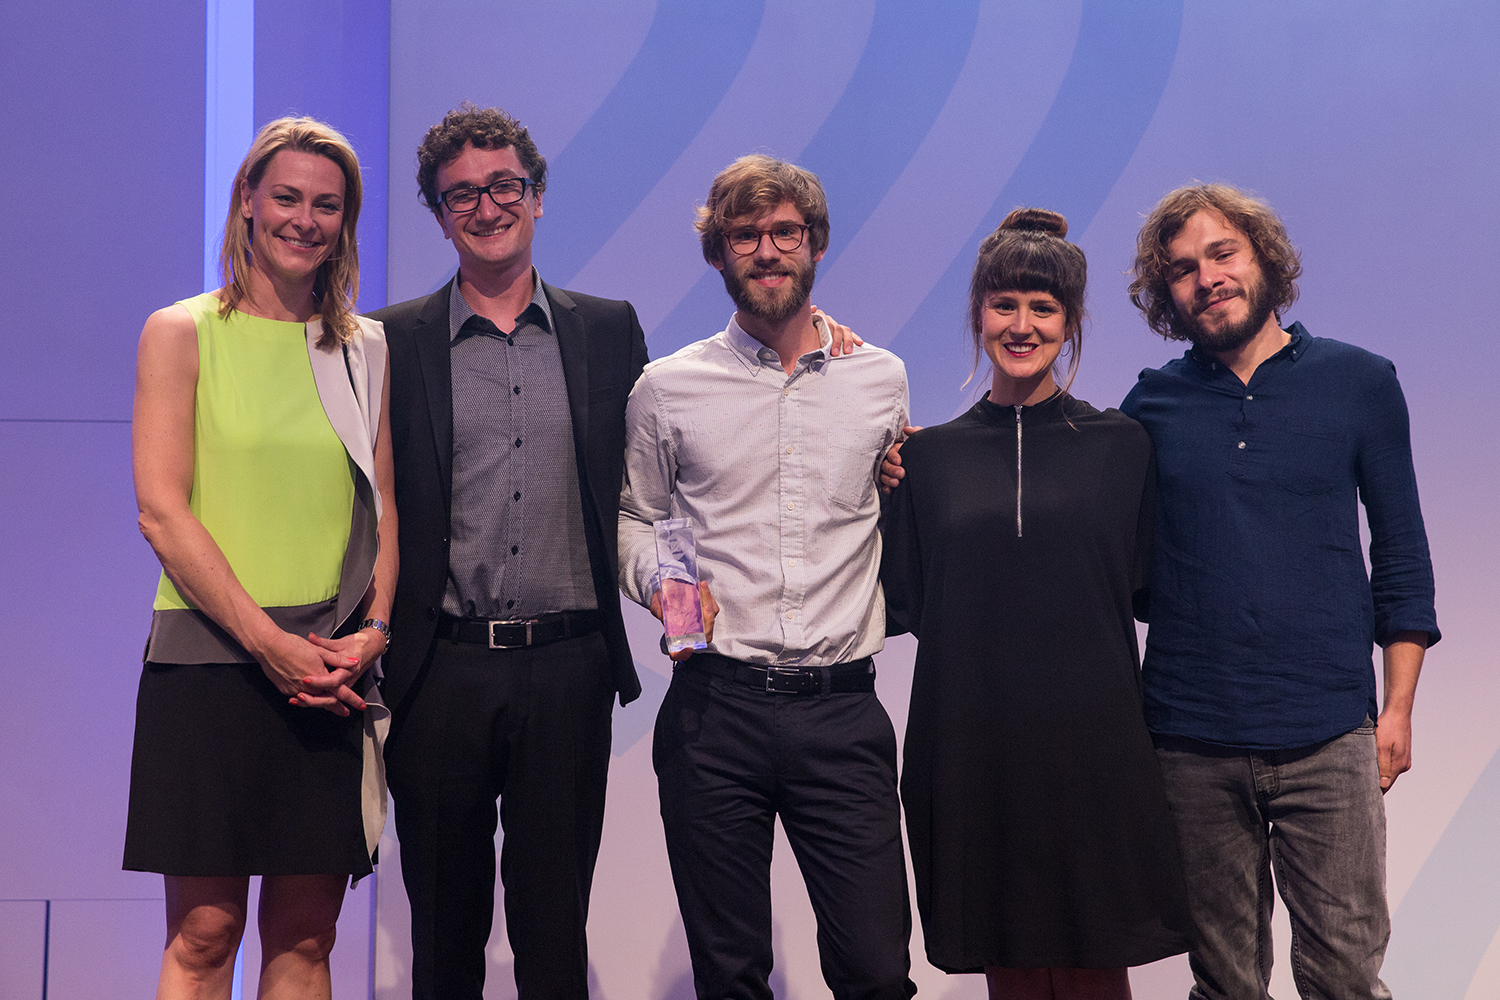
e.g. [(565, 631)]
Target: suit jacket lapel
[(432, 340), (572, 344)]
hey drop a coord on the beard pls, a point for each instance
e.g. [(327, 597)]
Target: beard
[(1258, 309), (771, 305)]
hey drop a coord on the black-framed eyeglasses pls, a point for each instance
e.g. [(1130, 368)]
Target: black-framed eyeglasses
[(785, 236), (505, 191)]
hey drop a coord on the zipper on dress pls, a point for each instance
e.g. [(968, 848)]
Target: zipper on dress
[(1018, 471)]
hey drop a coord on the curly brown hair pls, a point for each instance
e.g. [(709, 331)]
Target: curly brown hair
[(1028, 252), (1150, 290), (483, 128), (758, 183), (336, 287)]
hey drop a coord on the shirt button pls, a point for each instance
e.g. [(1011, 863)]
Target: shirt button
[(1241, 446), (509, 605), (518, 494), (788, 449), (1249, 397), (518, 442), (791, 562), (790, 615), (787, 391), (514, 549), (516, 389), (791, 506)]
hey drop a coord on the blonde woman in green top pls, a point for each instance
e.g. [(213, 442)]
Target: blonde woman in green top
[(263, 477)]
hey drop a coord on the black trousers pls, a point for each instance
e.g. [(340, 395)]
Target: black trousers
[(531, 727), (729, 760)]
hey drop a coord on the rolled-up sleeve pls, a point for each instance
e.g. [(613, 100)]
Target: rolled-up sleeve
[(1401, 580)]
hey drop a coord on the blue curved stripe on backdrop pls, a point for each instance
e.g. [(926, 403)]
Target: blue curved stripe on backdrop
[(909, 65), (1114, 82), (692, 53), (1451, 913)]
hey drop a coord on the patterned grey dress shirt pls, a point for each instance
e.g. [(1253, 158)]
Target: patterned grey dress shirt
[(518, 549)]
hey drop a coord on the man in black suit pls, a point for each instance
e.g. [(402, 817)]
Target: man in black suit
[(507, 424)]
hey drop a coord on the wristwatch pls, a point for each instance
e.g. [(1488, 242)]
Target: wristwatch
[(379, 626)]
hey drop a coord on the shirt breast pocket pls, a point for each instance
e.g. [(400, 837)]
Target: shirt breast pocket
[(850, 469), (1311, 458)]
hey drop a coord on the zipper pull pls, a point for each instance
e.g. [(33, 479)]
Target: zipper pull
[(1018, 471)]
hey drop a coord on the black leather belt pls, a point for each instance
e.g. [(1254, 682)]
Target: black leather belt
[(543, 631), (841, 678)]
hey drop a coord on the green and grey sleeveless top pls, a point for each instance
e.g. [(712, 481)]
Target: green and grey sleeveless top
[(273, 483)]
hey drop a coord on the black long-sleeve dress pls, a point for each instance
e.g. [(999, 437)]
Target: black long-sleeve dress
[(1039, 828)]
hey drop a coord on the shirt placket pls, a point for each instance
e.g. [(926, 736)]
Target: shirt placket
[(515, 375), (1247, 449), (792, 479), (1247, 452)]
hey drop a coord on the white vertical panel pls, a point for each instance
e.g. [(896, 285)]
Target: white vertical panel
[(228, 127), (229, 116), (353, 957)]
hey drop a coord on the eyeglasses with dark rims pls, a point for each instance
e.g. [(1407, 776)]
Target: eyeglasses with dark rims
[(785, 236), (505, 191)]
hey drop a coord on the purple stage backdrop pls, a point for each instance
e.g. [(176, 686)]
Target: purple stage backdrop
[(1369, 126)]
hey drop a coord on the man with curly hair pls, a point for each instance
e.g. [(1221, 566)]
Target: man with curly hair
[(508, 430), (1259, 687)]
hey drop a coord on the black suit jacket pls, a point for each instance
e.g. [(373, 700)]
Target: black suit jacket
[(603, 351)]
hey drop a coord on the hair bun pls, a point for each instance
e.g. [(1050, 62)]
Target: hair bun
[(1037, 220)]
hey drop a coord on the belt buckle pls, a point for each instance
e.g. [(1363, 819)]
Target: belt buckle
[(502, 645), (788, 672)]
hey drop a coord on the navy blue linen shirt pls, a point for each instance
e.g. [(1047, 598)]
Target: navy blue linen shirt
[(1262, 617)]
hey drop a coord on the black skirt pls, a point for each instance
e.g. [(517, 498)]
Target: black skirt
[(227, 778)]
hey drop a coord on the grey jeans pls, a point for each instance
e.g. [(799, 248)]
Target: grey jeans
[(1313, 815)]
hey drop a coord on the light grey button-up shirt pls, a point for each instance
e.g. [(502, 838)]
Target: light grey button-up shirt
[(777, 473)]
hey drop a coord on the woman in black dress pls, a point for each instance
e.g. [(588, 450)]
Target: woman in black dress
[(263, 477), (1042, 846)]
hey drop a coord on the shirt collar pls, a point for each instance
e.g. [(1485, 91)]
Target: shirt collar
[(755, 355), (1292, 350), (459, 311), (1298, 344)]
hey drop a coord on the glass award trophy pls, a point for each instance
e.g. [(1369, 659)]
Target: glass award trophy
[(681, 607)]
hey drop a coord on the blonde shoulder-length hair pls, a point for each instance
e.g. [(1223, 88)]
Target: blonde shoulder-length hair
[(337, 284)]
